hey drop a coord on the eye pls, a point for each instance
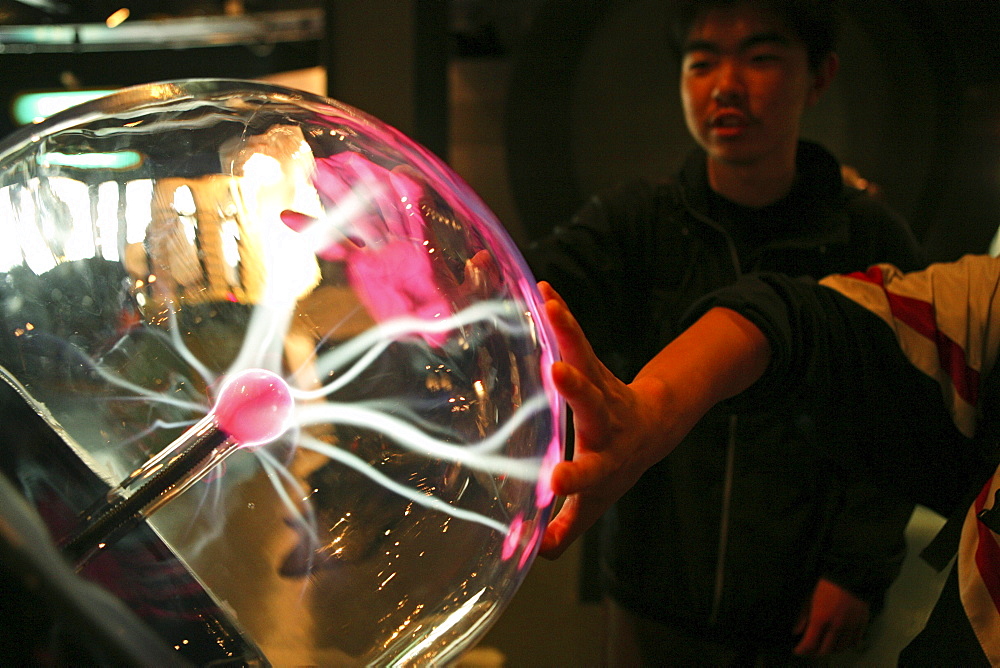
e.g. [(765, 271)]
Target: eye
[(765, 57), (698, 62)]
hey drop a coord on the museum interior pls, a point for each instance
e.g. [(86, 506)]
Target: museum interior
[(524, 108)]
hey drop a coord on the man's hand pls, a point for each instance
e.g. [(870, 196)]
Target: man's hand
[(621, 430), (610, 427), (835, 620)]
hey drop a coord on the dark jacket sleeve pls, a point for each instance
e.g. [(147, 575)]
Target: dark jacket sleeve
[(834, 357), (867, 542), (810, 329)]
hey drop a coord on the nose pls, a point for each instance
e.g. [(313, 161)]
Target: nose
[(729, 89)]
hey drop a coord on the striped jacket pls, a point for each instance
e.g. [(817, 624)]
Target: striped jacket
[(947, 322), (906, 361)]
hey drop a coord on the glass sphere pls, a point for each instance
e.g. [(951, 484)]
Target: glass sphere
[(167, 237)]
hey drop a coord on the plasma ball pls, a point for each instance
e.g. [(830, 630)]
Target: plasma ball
[(254, 407), (321, 293)]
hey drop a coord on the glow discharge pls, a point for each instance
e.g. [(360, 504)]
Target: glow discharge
[(253, 408), (256, 406)]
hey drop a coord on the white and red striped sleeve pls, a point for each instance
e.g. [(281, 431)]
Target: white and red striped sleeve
[(947, 322)]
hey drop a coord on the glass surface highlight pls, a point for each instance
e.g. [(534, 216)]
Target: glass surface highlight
[(396, 505)]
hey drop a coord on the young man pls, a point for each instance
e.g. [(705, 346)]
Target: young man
[(907, 362), (744, 544)]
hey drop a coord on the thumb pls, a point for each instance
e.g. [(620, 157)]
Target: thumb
[(803, 621)]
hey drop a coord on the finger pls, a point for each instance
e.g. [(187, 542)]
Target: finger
[(800, 625), (480, 274), (828, 643), (563, 479), (811, 639), (589, 405), (573, 519), (584, 474), (577, 388), (559, 532), (548, 292), (574, 347), (481, 266)]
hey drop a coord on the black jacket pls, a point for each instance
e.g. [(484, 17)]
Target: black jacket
[(728, 535), (917, 353)]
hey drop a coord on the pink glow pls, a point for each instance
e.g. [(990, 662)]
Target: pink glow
[(254, 407), (392, 204), (553, 455), (513, 537), (391, 264), (529, 549), (397, 281)]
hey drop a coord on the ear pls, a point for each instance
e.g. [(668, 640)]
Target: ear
[(823, 77)]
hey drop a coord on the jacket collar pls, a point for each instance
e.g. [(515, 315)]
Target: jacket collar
[(818, 176), (818, 191)]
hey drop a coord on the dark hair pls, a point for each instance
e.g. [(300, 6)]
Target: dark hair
[(815, 22)]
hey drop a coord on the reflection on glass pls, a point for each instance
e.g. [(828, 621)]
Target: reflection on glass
[(263, 229)]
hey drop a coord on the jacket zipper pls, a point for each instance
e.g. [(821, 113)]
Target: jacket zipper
[(727, 490), (727, 495), (727, 485)]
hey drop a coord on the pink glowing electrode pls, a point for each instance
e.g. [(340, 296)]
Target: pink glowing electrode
[(254, 407)]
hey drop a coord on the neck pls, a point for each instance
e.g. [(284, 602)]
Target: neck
[(752, 185)]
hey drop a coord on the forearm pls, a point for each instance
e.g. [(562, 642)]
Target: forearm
[(716, 358)]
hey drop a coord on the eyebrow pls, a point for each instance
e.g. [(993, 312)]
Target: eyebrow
[(757, 39)]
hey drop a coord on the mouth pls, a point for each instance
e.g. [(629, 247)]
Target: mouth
[(728, 123), (728, 120)]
